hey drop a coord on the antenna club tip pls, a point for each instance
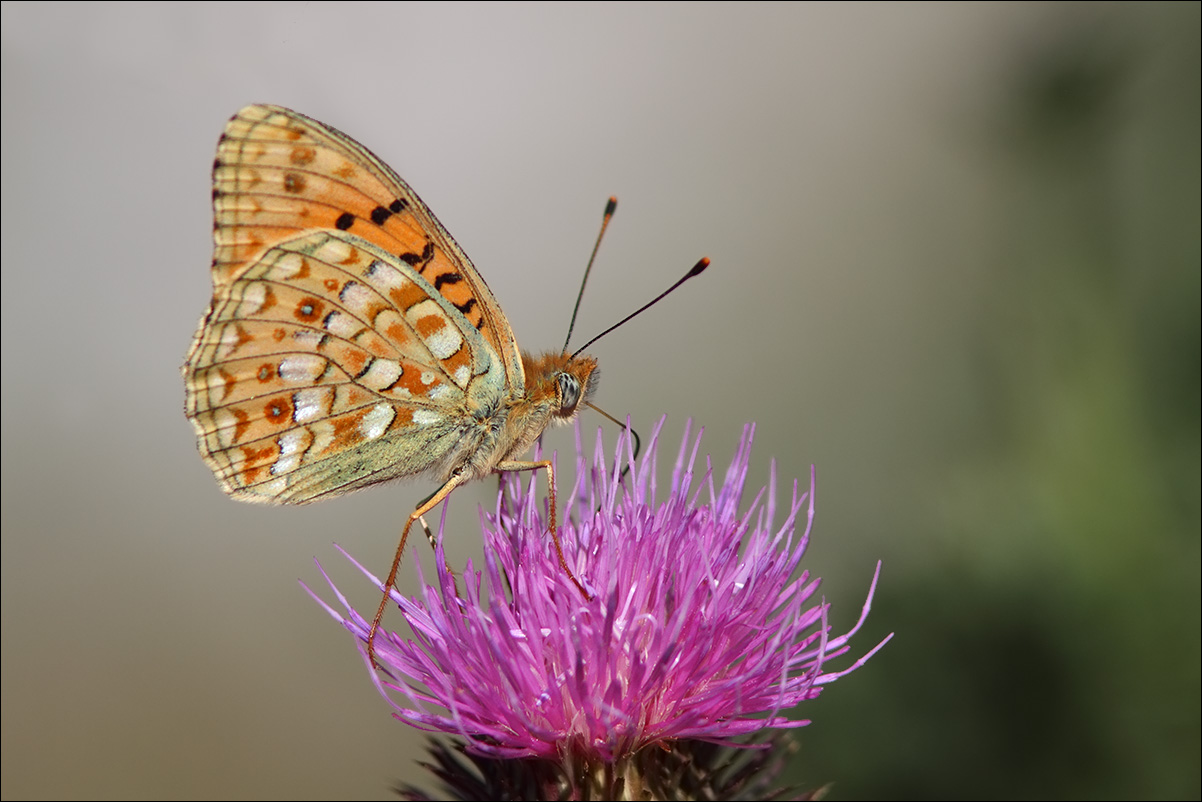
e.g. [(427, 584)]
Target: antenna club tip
[(611, 205), (699, 267)]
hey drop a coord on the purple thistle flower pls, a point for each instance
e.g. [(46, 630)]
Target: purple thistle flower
[(698, 627)]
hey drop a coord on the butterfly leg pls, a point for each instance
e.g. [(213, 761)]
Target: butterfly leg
[(429, 504), (521, 465)]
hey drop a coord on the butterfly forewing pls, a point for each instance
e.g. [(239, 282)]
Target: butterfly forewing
[(279, 173)]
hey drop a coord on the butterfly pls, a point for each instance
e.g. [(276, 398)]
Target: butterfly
[(349, 339)]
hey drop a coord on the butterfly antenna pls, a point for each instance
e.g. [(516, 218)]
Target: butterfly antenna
[(697, 270), (610, 206)]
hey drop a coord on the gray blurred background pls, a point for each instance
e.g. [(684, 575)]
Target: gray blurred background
[(955, 266)]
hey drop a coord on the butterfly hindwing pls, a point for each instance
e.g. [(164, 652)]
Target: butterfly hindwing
[(328, 365)]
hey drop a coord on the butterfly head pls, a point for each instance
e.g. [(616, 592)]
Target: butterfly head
[(561, 382)]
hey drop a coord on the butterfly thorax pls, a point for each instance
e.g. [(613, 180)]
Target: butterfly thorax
[(556, 385)]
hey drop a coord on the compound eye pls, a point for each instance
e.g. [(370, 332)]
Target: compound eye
[(569, 393)]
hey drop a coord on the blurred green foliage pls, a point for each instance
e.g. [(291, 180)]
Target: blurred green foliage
[(1050, 646)]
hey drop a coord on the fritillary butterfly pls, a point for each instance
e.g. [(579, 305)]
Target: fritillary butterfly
[(350, 340)]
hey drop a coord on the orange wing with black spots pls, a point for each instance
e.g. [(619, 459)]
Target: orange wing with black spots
[(348, 334), (279, 173)]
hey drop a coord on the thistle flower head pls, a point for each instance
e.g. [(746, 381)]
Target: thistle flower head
[(701, 624)]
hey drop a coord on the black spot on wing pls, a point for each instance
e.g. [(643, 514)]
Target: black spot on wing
[(344, 221)]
